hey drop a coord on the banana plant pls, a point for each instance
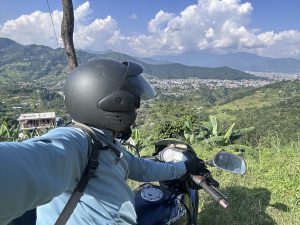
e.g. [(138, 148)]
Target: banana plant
[(209, 133), (12, 133), (135, 142), (8, 133), (189, 131)]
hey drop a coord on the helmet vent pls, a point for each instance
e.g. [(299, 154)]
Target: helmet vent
[(118, 100), (116, 119)]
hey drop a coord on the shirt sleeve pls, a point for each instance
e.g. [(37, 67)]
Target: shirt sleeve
[(34, 171), (146, 170)]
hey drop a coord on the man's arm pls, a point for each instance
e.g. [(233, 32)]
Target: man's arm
[(34, 171), (148, 170)]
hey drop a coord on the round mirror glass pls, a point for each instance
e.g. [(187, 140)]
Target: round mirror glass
[(230, 162)]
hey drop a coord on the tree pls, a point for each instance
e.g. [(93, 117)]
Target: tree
[(67, 28)]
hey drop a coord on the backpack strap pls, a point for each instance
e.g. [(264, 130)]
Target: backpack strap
[(95, 146)]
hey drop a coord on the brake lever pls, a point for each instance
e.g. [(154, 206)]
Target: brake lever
[(211, 181)]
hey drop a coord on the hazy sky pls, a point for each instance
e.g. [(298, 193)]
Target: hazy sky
[(148, 28)]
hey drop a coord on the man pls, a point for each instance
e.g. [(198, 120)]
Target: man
[(42, 172)]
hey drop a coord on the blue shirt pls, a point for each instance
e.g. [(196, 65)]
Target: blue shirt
[(43, 172)]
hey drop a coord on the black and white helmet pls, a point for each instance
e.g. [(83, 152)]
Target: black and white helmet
[(105, 93)]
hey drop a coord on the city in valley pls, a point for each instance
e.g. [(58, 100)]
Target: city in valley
[(194, 83), (264, 78)]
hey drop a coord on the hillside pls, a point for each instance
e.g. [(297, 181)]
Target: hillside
[(258, 98), (29, 62), (273, 109), (36, 61), (175, 70)]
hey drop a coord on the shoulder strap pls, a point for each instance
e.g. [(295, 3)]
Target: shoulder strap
[(93, 152), (110, 143)]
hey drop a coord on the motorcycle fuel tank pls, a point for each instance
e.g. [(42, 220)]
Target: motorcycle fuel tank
[(156, 205)]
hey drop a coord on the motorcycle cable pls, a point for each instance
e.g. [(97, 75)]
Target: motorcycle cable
[(187, 209)]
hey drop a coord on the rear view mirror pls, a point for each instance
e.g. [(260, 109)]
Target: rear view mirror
[(230, 162)]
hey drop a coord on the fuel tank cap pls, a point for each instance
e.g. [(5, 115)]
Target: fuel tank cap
[(152, 194)]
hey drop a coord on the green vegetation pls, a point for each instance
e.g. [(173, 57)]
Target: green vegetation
[(8, 133), (17, 98), (258, 99), (268, 194), (11, 133), (273, 110), (210, 133)]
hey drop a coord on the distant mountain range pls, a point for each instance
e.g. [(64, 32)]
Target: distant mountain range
[(36, 61), (241, 61)]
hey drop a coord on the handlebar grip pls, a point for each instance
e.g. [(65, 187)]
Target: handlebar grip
[(212, 191)]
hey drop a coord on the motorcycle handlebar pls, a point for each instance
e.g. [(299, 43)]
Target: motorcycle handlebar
[(211, 190)]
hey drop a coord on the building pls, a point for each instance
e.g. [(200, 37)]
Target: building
[(36, 121)]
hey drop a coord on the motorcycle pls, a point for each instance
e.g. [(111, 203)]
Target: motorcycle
[(175, 202)]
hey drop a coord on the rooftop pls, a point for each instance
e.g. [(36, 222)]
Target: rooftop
[(34, 116)]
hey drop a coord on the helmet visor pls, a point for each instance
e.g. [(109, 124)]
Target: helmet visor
[(139, 86)]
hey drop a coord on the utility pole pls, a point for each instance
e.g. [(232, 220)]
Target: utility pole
[(67, 29)]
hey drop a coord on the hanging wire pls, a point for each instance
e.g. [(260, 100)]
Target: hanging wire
[(52, 24)]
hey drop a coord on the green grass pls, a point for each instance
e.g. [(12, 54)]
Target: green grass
[(269, 194), (258, 100)]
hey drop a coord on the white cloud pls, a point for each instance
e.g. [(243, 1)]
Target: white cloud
[(98, 35), (36, 28), (207, 25), (82, 11), (160, 22), (213, 25), (284, 44), (210, 24), (133, 16)]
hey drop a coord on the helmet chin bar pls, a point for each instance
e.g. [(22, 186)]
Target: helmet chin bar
[(125, 134), (118, 121)]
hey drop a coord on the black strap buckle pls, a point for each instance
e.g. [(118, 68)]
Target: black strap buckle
[(92, 167), (97, 144)]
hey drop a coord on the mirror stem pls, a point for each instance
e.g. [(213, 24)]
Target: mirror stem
[(210, 163)]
